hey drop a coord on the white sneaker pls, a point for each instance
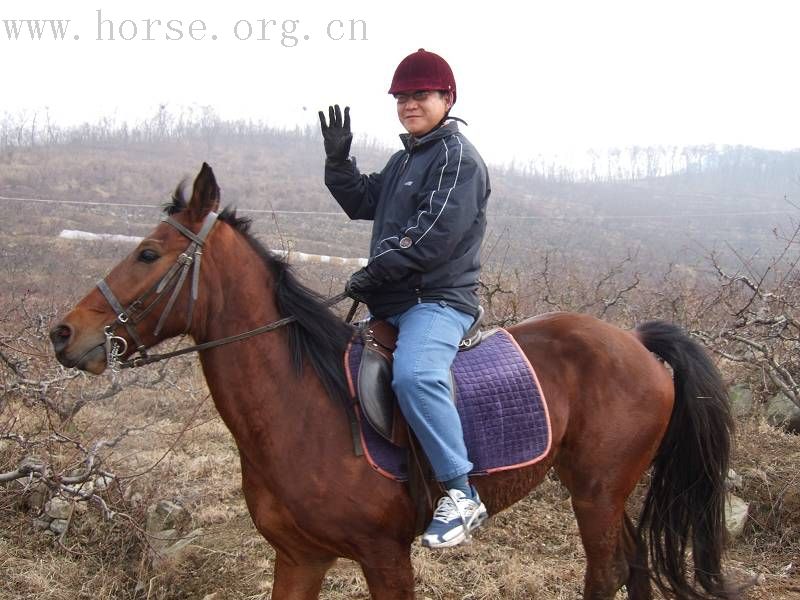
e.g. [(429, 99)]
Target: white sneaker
[(454, 519)]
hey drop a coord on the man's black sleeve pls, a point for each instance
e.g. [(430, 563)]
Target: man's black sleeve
[(357, 194)]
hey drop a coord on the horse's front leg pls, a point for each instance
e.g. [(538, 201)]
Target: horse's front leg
[(389, 573), (298, 579)]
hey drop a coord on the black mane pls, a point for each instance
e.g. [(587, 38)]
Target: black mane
[(317, 334)]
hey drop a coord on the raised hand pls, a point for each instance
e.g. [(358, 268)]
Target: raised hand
[(336, 133)]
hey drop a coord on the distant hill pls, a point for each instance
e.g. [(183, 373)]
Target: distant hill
[(728, 198)]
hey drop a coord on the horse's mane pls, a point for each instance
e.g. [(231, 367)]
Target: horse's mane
[(318, 333)]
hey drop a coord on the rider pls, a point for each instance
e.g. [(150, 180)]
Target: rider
[(428, 207)]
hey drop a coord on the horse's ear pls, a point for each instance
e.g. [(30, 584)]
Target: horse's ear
[(205, 195)]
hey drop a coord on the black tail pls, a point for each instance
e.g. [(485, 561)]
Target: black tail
[(686, 500)]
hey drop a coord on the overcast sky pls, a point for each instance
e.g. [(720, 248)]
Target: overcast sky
[(533, 78)]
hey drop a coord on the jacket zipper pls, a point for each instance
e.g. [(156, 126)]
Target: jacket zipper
[(405, 163)]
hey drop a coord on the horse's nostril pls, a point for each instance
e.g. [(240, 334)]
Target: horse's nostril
[(60, 334)]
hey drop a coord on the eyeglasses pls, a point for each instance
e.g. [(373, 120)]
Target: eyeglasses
[(418, 96)]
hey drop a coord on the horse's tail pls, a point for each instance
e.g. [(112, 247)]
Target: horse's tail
[(686, 500)]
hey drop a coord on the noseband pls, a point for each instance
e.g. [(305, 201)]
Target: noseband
[(174, 279)]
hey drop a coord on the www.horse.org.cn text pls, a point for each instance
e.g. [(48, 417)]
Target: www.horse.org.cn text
[(107, 27)]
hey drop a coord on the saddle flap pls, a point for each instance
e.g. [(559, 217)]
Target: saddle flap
[(375, 394)]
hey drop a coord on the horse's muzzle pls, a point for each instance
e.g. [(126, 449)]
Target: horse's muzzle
[(85, 354)]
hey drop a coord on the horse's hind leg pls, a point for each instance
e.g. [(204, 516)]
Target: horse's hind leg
[(298, 579), (638, 582), (389, 573), (600, 521), (615, 554)]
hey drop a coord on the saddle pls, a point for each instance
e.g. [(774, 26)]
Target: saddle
[(497, 394), (375, 394)]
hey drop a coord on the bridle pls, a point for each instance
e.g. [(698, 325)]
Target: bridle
[(173, 280)]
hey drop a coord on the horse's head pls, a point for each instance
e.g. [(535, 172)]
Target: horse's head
[(147, 297)]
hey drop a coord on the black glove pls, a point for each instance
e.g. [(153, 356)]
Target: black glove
[(336, 134), (360, 285)]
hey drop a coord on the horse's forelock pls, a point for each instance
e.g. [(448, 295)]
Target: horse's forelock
[(178, 204), (177, 200)]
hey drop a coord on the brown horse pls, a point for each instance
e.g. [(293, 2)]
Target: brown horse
[(615, 409)]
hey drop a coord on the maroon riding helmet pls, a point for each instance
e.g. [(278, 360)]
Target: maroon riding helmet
[(423, 70)]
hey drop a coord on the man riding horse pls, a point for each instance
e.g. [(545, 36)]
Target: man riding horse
[(428, 207)]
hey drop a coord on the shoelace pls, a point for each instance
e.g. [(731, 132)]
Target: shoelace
[(448, 508)]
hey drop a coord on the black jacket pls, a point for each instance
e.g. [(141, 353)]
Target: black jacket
[(428, 206)]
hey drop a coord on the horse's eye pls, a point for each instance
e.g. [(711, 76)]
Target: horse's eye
[(148, 256)]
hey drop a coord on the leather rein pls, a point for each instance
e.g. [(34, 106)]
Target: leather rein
[(173, 281)]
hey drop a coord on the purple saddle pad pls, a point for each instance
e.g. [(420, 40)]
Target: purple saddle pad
[(503, 412)]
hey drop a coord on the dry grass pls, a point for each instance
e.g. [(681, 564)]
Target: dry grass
[(184, 452), (531, 551)]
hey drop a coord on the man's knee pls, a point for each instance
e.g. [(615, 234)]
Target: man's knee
[(409, 381)]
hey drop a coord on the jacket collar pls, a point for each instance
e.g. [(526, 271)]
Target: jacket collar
[(410, 143)]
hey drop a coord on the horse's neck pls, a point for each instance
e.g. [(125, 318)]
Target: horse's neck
[(252, 382)]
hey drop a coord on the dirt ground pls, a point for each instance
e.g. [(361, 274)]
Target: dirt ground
[(185, 454)]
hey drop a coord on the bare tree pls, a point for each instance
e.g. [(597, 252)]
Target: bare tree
[(761, 326)]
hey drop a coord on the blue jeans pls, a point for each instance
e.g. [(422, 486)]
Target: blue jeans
[(427, 342)]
